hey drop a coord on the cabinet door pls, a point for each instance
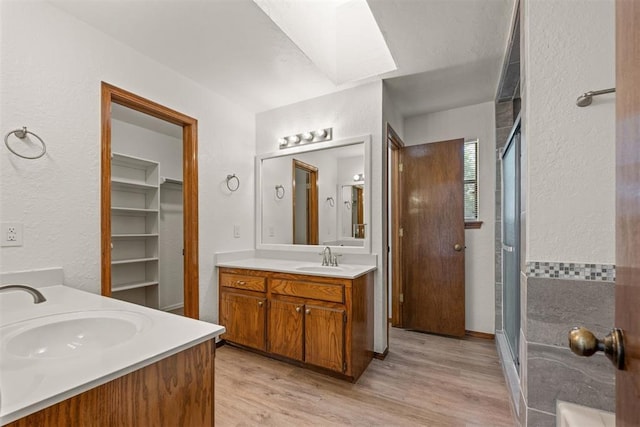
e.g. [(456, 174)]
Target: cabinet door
[(244, 318), (285, 329), (324, 337)]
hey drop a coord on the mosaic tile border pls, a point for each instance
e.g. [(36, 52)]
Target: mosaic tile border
[(572, 270)]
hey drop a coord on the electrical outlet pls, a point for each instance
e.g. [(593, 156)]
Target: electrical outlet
[(236, 231), (272, 232), (10, 234)]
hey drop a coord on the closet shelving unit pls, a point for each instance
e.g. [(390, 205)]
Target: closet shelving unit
[(135, 208)]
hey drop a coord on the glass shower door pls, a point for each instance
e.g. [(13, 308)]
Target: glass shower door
[(511, 244)]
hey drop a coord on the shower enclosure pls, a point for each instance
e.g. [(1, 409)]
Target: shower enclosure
[(511, 242)]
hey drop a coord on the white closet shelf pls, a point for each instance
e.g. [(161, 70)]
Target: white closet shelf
[(133, 260), (131, 161), (132, 211), (123, 184), (168, 180), (132, 285), (133, 236)]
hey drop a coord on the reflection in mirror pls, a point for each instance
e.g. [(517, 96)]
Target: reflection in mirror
[(352, 198), (305, 203), (285, 217)]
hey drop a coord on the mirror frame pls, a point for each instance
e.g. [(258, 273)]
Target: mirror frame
[(366, 248)]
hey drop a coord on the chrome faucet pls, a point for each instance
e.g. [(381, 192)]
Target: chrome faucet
[(327, 260), (37, 296)]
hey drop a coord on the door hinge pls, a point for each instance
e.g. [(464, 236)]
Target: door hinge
[(401, 298), (401, 232), (344, 366), (401, 167)]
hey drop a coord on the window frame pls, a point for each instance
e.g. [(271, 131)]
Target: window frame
[(473, 222)]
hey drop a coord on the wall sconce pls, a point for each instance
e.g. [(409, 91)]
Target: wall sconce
[(320, 135), (358, 177)]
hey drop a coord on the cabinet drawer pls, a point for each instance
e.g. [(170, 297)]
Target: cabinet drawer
[(311, 290), (239, 281)]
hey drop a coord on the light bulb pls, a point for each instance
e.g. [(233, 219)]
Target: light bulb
[(282, 142), (294, 139), (307, 136), (356, 177), (321, 133)]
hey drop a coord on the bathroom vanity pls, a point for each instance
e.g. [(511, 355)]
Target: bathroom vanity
[(313, 316), (83, 359)]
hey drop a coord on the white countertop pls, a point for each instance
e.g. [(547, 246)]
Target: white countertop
[(345, 271), (29, 384)]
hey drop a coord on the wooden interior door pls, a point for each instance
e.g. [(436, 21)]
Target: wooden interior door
[(628, 208), (324, 337), (244, 317), (286, 329), (432, 226)]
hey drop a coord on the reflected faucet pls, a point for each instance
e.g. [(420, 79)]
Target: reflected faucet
[(326, 260), (37, 296)]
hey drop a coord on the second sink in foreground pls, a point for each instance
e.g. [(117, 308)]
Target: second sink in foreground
[(71, 334)]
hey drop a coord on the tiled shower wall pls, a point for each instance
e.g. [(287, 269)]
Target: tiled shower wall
[(555, 296), (582, 295)]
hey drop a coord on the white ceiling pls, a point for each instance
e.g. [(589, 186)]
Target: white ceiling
[(448, 52)]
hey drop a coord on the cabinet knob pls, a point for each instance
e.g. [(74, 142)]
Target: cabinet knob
[(308, 311), (260, 303), (241, 282), (298, 309)]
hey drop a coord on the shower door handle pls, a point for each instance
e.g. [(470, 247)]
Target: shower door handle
[(507, 248), (583, 343)]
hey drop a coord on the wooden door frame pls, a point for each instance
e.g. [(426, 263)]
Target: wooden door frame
[(627, 285), (395, 143), (112, 94), (312, 202)]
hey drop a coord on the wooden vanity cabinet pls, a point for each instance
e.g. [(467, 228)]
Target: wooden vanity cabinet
[(315, 321), (243, 309)]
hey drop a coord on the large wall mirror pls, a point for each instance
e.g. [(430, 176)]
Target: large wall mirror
[(315, 195)]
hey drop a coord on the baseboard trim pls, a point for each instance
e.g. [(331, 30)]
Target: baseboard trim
[(381, 356), (483, 335), (220, 343)]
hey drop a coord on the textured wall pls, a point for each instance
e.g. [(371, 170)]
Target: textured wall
[(52, 65), (475, 121), (569, 50)]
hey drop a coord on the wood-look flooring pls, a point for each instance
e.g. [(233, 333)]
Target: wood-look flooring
[(426, 380)]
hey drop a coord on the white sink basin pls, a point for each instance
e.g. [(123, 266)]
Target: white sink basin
[(319, 268), (71, 334)]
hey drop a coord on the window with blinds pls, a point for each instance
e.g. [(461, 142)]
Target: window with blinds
[(471, 180)]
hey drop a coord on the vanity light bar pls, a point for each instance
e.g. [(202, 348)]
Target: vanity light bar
[(310, 137)]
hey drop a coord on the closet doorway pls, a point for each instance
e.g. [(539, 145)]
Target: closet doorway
[(140, 198)]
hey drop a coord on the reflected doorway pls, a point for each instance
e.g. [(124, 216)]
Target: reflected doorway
[(305, 203)]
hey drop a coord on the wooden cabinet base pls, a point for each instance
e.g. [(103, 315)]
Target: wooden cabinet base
[(176, 391), (321, 323)]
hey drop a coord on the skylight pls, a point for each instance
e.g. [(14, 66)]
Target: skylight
[(341, 37)]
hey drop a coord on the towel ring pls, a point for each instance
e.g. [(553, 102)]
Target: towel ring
[(230, 186), (347, 205), (279, 194), (331, 201), (22, 134)]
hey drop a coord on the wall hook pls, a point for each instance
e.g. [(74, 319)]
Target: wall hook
[(233, 182), (279, 192)]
